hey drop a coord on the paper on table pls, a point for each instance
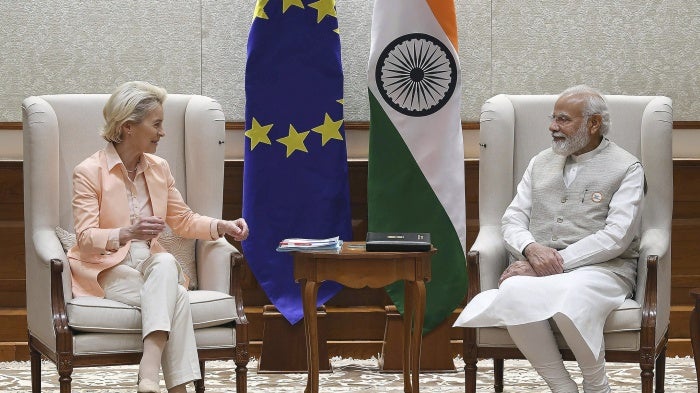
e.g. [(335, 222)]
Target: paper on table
[(300, 244)]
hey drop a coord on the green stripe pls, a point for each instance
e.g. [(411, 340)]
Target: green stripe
[(399, 199)]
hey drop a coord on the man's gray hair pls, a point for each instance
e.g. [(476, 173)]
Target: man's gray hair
[(595, 104)]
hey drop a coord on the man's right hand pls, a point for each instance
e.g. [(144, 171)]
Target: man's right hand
[(545, 261)]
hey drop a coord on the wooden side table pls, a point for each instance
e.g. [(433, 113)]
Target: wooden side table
[(354, 267)]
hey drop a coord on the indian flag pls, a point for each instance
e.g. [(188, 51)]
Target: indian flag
[(416, 153)]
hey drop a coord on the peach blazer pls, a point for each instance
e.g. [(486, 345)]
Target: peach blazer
[(100, 204)]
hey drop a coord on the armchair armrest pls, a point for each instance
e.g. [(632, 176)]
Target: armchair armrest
[(655, 242), (237, 264), (485, 262), (220, 268), (64, 335), (48, 249), (654, 283), (213, 264), (490, 257), (649, 311), (47, 246)]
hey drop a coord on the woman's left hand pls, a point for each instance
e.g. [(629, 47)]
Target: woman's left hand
[(237, 229)]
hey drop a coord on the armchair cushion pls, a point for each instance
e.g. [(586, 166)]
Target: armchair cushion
[(627, 317), (211, 308), (94, 314), (98, 315), (497, 337)]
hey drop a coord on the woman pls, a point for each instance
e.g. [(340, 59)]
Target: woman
[(123, 197)]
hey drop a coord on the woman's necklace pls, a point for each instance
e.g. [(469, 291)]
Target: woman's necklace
[(135, 167)]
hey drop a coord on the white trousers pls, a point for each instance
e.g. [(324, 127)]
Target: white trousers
[(536, 341), (151, 283)]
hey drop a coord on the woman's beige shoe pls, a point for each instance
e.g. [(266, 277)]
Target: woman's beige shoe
[(147, 386)]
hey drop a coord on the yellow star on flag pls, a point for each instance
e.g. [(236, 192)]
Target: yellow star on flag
[(294, 141), (329, 130), (260, 9), (288, 3), (258, 134), (324, 7)]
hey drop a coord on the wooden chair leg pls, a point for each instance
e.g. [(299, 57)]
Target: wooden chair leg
[(199, 383), (241, 368), (660, 371), (64, 377), (241, 378), (35, 361), (647, 374), (470, 375), (470, 358), (498, 375)]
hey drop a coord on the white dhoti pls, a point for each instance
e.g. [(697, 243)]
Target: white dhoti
[(578, 302), (586, 296)]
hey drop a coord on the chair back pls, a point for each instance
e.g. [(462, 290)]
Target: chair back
[(68, 126), (514, 128)]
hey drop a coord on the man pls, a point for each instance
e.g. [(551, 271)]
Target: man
[(573, 232)]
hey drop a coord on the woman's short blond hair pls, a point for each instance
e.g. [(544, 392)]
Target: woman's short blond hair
[(130, 102)]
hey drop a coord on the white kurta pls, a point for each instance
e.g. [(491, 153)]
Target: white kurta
[(586, 294)]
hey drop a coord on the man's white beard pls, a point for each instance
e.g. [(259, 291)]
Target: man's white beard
[(571, 144)]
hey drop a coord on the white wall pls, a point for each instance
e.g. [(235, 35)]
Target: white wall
[(198, 47)]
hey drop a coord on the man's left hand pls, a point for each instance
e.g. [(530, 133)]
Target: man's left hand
[(517, 268)]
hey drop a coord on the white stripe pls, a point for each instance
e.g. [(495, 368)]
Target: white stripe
[(435, 141)]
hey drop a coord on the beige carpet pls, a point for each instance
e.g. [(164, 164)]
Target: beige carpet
[(348, 376)]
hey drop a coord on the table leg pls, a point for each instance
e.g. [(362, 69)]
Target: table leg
[(309, 292), (409, 311), (417, 336)]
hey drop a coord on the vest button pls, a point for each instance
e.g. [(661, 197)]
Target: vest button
[(554, 238), (563, 199), (560, 220)]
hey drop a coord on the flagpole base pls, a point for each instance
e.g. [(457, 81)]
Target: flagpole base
[(436, 355), (284, 345)]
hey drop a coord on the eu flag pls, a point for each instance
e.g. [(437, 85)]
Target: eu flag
[(295, 180)]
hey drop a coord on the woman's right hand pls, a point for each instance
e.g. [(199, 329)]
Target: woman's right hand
[(146, 228)]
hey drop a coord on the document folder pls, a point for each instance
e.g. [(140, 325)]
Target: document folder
[(398, 241)]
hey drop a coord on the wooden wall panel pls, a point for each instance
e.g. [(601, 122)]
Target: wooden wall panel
[(12, 271), (685, 241), (355, 316), (11, 193), (12, 265)]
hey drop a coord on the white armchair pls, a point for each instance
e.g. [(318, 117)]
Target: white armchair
[(513, 130), (59, 132)]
